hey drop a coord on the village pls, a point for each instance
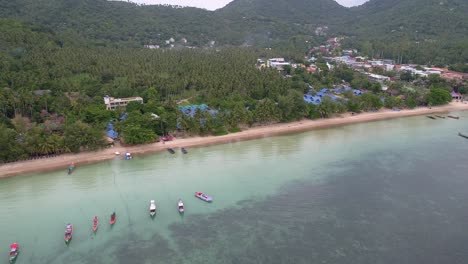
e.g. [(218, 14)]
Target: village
[(382, 71)]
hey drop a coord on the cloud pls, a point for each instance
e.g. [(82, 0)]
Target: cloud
[(215, 4), (349, 3), (207, 4)]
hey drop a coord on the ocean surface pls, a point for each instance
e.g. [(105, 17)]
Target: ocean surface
[(392, 191)]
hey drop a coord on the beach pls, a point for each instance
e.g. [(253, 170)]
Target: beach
[(61, 162)]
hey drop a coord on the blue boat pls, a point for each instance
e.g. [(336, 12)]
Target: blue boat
[(203, 197)]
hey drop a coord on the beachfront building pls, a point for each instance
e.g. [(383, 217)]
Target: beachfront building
[(114, 103)]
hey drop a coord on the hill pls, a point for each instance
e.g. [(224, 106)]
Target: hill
[(431, 30), (409, 31)]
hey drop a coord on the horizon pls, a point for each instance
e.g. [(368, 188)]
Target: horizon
[(217, 4)]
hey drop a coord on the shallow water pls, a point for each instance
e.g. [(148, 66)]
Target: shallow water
[(392, 191)]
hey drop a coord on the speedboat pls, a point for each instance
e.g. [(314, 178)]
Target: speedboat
[(128, 156), (112, 220), (95, 223), (180, 206), (68, 233), (14, 251), (152, 208), (203, 197)]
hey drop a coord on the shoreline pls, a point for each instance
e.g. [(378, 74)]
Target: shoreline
[(61, 162)]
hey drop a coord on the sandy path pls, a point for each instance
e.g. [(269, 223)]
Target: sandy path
[(62, 162)]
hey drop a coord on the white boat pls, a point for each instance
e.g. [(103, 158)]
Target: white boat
[(180, 206), (152, 208)]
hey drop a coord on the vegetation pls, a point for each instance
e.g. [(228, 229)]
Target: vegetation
[(56, 68)]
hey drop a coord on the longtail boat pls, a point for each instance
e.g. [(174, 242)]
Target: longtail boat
[(14, 251), (454, 117), (68, 233), (203, 197), (431, 117), (112, 220), (95, 223), (71, 168), (463, 135), (170, 150), (443, 117)]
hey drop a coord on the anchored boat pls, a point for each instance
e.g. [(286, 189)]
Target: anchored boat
[(14, 251), (113, 218), (71, 168), (431, 117), (454, 117), (171, 150), (184, 151), (203, 197), (463, 135), (95, 223), (152, 208), (68, 233), (180, 206)]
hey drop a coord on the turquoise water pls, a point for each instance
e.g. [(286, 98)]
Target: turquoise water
[(383, 192)]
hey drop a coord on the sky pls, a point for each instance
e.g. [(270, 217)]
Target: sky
[(215, 4)]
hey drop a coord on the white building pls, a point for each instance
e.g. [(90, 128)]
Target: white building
[(114, 103), (277, 63)]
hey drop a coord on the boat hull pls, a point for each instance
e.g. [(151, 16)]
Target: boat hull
[(68, 236), (204, 197)]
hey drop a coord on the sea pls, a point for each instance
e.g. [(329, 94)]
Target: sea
[(385, 192)]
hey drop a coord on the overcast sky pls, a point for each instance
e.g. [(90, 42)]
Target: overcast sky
[(215, 4)]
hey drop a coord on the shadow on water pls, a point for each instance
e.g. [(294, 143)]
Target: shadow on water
[(381, 209)]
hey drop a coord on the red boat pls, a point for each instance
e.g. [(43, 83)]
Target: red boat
[(14, 251), (68, 233), (112, 221), (168, 138), (95, 223)]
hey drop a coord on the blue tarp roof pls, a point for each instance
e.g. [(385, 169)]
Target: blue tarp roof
[(190, 110), (112, 134), (124, 116)]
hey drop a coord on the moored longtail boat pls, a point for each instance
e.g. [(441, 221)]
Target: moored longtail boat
[(14, 251), (113, 218), (454, 117), (203, 197), (463, 135), (443, 117), (95, 223), (170, 150), (68, 233), (431, 117), (71, 168)]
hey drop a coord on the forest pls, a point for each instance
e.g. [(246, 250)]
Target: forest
[(52, 89), (417, 31)]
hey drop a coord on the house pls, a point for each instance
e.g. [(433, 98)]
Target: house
[(41, 92), (456, 96), (114, 103), (152, 46), (277, 63), (357, 92)]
